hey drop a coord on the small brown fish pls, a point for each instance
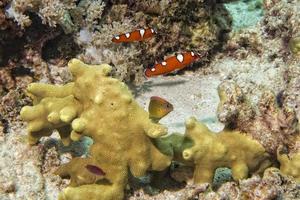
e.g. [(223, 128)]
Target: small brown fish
[(159, 107), (95, 170)]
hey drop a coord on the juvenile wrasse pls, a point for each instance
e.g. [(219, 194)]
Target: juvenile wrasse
[(134, 36), (159, 107), (172, 63)]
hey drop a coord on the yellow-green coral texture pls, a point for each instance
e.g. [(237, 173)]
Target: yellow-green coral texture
[(290, 165), (226, 149), (102, 108)]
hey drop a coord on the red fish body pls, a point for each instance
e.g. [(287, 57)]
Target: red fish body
[(172, 63), (134, 36)]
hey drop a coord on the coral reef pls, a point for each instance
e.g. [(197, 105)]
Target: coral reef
[(198, 29), (92, 29), (258, 68), (128, 61), (272, 125), (87, 107)]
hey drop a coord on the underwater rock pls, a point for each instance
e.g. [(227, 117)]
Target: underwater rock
[(272, 185), (271, 125), (281, 18), (234, 109)]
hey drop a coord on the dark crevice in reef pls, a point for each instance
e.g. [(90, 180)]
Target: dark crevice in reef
[(21, 71), (51, 42), (62, 46), (4, 123), (10, 46), (13, 41), (151, 183)]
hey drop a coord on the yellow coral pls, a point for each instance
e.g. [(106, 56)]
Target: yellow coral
[(290, 165), (225, 149), (50, 113), (102, 108), (294, 45)]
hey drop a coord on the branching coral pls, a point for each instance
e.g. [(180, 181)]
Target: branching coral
[(226, 149), (207, 151), (102, 108)]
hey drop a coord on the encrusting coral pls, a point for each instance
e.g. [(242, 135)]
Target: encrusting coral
[(102, 108)]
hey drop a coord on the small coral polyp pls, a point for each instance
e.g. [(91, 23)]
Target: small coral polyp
[(102, 108)]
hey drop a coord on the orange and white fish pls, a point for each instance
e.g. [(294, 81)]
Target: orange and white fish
[(158, 108), (172, 63), (134, 36)]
